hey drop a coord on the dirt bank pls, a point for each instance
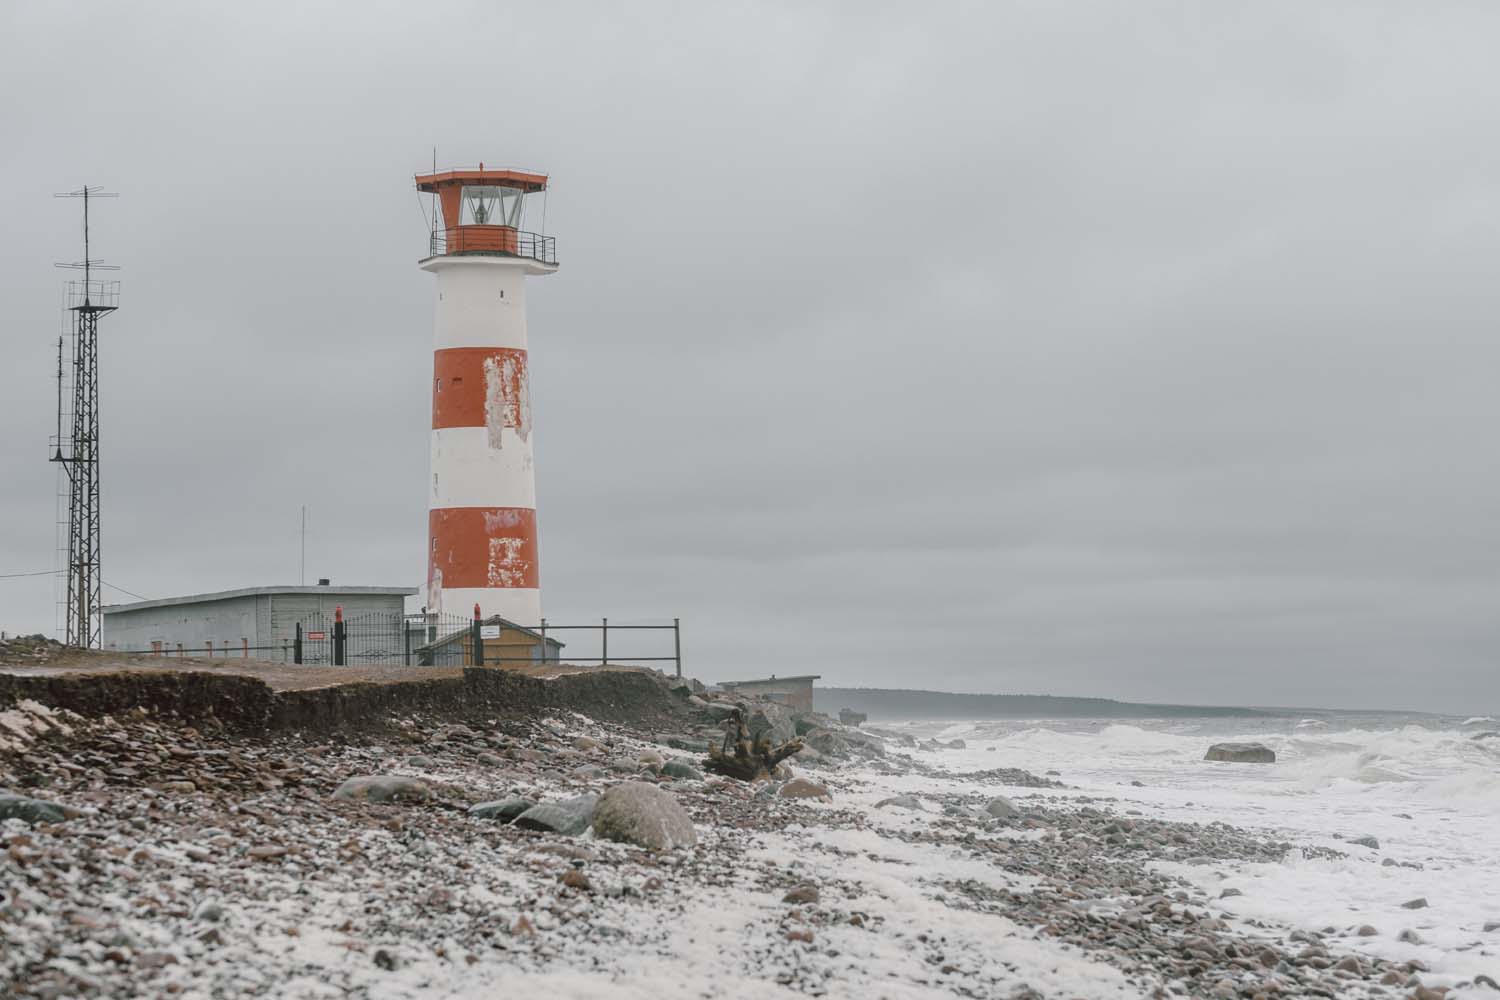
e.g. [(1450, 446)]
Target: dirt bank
[(248, 703)]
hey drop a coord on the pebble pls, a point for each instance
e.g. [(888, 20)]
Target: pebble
[(802, 894), (802, 788)]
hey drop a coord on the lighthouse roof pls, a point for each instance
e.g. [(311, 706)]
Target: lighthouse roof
[(523, 180)]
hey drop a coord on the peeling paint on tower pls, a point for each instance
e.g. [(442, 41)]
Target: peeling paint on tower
[(507, 396)]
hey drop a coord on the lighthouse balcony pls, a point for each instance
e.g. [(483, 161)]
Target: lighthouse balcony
[(493, 241)]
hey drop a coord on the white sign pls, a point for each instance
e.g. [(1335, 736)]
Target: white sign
[(489, 631)]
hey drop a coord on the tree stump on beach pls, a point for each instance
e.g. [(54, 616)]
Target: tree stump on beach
[(745, 758)]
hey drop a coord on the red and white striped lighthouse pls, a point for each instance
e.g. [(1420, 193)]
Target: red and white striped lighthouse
[(481, 533)]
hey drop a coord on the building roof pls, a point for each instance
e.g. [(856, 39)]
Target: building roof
[(772, 680), (225, 595), (494, 620)]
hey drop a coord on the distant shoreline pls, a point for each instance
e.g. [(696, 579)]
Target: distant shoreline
[(902, 703)]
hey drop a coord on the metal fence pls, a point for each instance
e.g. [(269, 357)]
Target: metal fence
[(429, 639)]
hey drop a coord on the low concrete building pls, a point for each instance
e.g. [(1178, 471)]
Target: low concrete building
[(257, 619), (795, 693)]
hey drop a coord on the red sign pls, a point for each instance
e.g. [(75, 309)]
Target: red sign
[(316, 635)]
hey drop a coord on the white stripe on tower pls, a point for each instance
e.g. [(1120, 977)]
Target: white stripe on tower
[(482, 497)]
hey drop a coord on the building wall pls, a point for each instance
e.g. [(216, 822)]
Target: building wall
[(796, 695), (264, 620), (286, 610), (193, 625)]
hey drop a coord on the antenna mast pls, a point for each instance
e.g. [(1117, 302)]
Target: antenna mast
[(78, 449)]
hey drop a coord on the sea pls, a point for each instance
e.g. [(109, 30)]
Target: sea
[(1422, 786)]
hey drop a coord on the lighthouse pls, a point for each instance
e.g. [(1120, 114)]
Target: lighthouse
[(481, 522)]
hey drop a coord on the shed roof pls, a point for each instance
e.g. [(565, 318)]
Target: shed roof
[(225, 595), (494, 620), (772, 680)]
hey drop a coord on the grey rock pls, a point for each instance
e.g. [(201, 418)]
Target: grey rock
[(1001, 808), (1420, 903), (34, 810), (1488, 734), (637, 813), (505, 810), (773, 720), (569, 817), (589, 771), (1409, 937), (1366, 841), (383, 788), (902, 802), (1241, 753), (691, 744), (489, 759), (420, 760), (718, 710), (1366, 930), (679, 768), (209, 911)]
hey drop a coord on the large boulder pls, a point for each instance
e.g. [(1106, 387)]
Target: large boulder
[(1001, 808), (774, 720), (1241, 753), (641, 814), (505, 810), (383, 788), (34, 810), (682, 770), (902, 802), (569, 817)]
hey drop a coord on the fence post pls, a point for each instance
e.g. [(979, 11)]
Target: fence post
[(338, 635), (244, 648), (544, 640), (677, 644), (405, 642), (210, 643), (297, 645), (283, 650), (476, 639), (604, 643)]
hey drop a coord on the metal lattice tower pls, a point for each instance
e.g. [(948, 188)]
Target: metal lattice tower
[(76, 445)]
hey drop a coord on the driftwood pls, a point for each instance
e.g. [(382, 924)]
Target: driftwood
[(745, 758)]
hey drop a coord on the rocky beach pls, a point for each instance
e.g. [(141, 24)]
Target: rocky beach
[(171, 848)]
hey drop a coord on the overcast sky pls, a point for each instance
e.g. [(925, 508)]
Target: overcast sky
[(1136, 350)]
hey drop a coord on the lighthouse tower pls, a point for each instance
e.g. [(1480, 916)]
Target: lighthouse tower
[(481, 525)]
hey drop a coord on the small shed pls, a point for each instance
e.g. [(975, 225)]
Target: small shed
[(506, 644), (795, 693)]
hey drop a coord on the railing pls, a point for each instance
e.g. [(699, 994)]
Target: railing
[(423, 640), (498, 241)]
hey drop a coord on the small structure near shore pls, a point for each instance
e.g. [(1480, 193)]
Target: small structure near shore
[(849, 717), (1241, 753), (795, 693)]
